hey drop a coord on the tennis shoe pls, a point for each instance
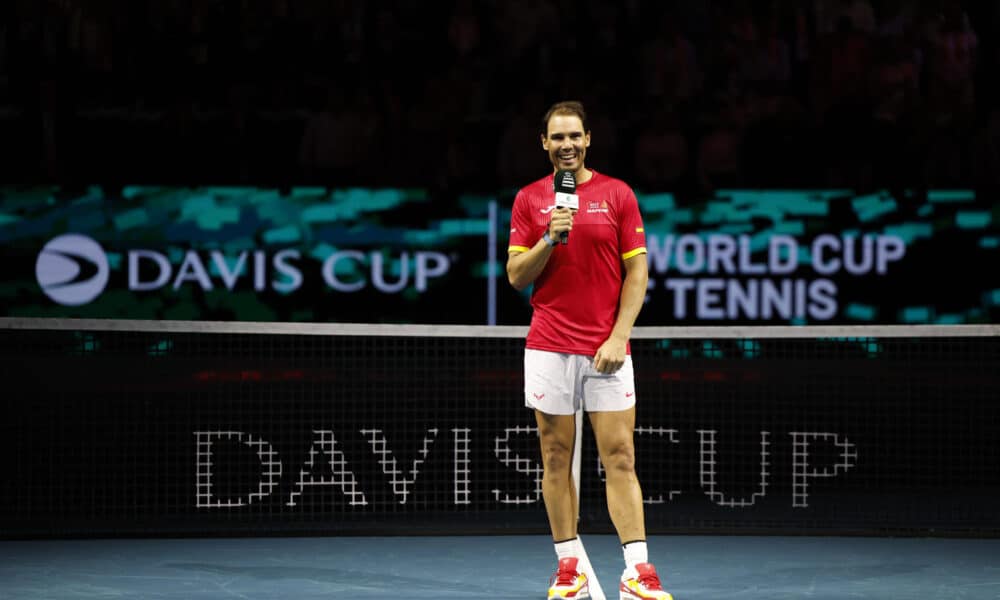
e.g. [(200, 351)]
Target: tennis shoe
[(642, 583), (568, 582)]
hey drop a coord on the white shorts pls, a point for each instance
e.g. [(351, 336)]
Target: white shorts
[(560, 384)]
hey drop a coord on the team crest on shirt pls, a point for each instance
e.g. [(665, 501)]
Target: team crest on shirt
[(598, 207)]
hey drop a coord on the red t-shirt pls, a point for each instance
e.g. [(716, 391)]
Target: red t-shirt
[(575, 298)]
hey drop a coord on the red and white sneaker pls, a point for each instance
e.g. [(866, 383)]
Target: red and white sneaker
[(642, 583), (568, 582)]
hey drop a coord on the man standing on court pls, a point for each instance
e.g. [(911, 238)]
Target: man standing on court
[(589, 271)]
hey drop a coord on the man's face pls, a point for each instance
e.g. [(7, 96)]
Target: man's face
[(566, 142)]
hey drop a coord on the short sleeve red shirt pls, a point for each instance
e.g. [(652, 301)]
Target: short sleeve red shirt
[(575, 298)]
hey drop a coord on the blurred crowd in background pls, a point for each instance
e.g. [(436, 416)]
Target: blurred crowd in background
[(683, 96)]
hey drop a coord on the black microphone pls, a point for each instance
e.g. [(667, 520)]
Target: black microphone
[(564, 183)]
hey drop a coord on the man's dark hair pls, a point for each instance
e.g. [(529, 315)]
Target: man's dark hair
[(567, 107)]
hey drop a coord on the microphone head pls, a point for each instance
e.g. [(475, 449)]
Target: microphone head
[(564, 181)]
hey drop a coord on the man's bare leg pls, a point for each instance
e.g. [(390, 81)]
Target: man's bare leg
[(614, 431), (557, 434)]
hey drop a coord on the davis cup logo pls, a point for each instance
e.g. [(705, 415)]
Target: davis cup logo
[(72, 269)]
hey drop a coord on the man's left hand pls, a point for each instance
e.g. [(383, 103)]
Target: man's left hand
[(610, 356)]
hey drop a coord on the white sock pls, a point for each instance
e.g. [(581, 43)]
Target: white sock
[(566, 548), (635, 553)]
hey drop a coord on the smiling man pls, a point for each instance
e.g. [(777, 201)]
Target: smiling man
[(587, 294)]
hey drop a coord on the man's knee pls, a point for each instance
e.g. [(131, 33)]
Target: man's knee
[(556, 433), (556, 458), (620, 458)]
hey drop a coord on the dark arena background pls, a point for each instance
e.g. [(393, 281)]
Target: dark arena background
[(257, 337)]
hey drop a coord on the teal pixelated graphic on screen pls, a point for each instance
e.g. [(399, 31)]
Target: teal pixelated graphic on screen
[(406, 256)]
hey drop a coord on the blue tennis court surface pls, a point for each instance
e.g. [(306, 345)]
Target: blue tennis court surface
[(692, 567)]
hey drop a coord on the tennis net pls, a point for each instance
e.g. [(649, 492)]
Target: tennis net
[(117, 427)]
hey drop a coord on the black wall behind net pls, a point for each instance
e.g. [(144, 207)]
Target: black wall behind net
[(145, 432)]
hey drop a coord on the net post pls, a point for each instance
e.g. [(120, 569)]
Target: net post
[(577, 446), (596, 592)]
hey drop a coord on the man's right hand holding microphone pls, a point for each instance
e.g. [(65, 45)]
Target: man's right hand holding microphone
[(560, 223)]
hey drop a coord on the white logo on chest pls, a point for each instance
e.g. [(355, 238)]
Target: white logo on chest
[(597, 207)]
